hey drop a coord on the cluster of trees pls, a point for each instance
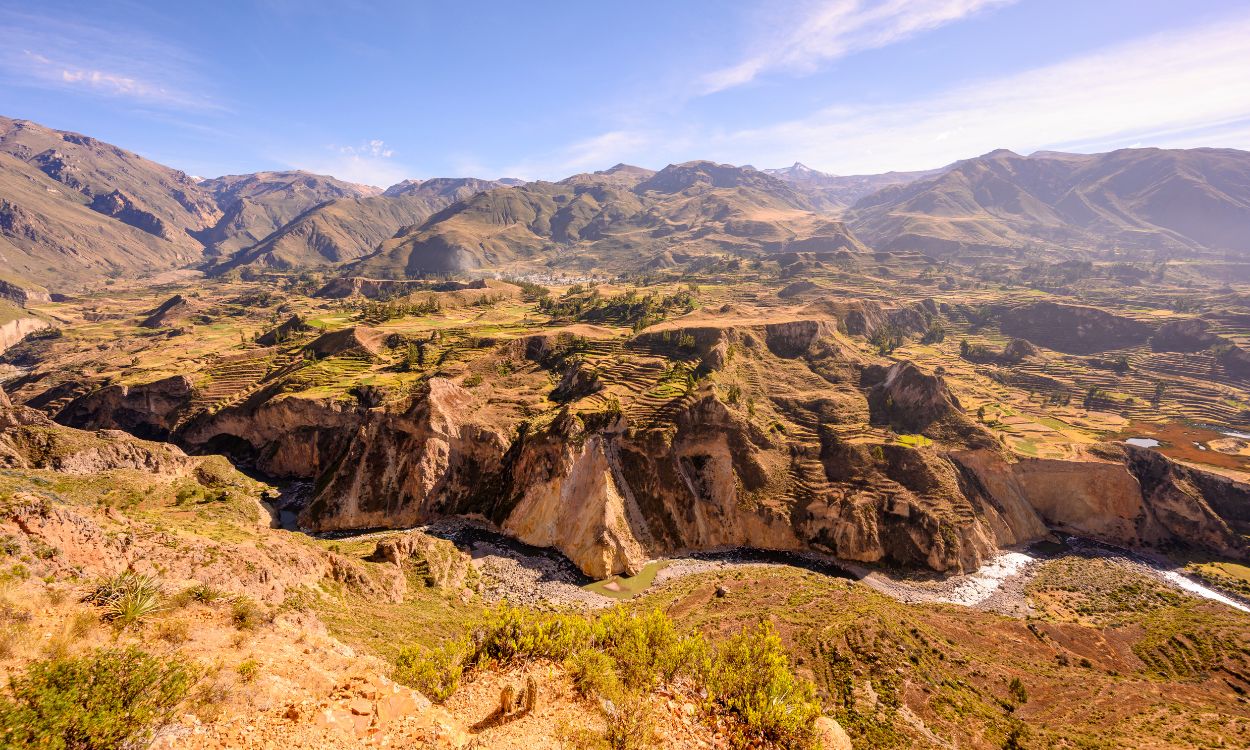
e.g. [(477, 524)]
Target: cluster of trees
[(1097, 398), (632, 308), (392, 309), (530, 292), (887, 338), (975, 352)]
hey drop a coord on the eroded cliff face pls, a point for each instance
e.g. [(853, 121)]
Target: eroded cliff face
[(401, 469), (1119, 494), (610, 497), (1074, 329), (17, 329), (148, 410), (281, 436), (29, 440), (570, 499)]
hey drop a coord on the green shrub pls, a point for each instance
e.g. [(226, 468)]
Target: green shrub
[(109, 699), (248, 669), (629, 722), (246, 614), (203, 593), (510, 634), (620, 657), (436, 672), (1018, 693), (593, 673), (750, 676)]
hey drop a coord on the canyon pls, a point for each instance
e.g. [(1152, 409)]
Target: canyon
[(347, 447)]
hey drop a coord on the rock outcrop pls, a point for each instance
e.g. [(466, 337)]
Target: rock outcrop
[(1185, 335), (285, 331), (437, 561), (148, 410), (1072, 329), (29, 440), (172, 310), (401, 469), (22, 294), (279, 436), (1123, 495), (355, 340), (908, 399), (12, 332), (122, 207)]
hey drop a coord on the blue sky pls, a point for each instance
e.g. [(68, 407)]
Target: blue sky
[(377, 92)]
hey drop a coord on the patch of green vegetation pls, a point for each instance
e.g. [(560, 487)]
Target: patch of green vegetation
[(127, 598), (427, 615), (1027, 447), (632, 308), (1054, 424), (1097, 588), (112, 698), (1229, 576), (915, 441), (620, 656), (1185, 641)]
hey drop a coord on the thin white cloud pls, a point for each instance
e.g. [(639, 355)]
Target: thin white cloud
[(590, 154), (370, 162), (375, 149), (1180, 88), (57, 53), (830, 29)]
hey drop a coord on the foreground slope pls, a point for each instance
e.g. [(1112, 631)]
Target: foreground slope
[(131, 559)]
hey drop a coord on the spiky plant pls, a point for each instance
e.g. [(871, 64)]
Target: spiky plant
[(128, 597)]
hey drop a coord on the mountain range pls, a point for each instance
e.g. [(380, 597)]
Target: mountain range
[(73, 209), (1144, 199)]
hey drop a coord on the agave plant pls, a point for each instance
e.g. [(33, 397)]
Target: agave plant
[(128, 597)]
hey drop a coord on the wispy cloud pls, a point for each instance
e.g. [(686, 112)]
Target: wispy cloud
[(830, 29), (374, 149), (369, 162), (597, 152), (112, 62), (1180, 89)]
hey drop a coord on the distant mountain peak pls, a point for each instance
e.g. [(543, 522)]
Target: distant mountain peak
[(797, 171), (623, 167)]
